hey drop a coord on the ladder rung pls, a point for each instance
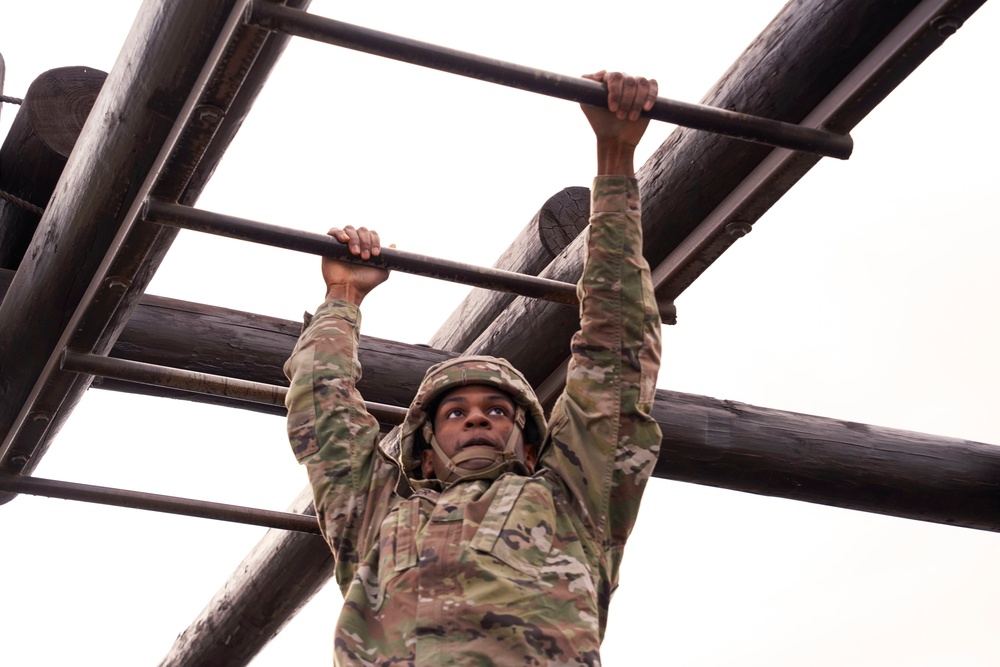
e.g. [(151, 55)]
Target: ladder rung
[(176, 215), (200, 383), (157, 503), (299, 23)]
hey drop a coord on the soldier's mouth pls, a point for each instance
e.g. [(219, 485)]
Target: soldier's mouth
[(479, 443)]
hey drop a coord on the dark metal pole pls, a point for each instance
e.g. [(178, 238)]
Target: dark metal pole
[(185, 217), (200, 383), (276, 17), (175, 378), (158, 503)]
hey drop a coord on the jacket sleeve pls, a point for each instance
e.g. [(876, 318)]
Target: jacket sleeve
[(604, 441), (333, 435)]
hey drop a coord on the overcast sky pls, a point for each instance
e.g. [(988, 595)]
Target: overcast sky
[(868, 293)]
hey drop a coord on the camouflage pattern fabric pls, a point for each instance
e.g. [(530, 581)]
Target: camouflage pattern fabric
[(515, 571)]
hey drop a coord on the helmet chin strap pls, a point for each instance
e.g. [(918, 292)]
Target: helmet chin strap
[(504, 460)]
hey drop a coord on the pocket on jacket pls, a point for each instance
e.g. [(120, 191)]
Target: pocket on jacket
[(397, 546), (519, 526)]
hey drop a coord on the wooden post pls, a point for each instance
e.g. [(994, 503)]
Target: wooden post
[(555, 226), (161, 76), (36, 148)]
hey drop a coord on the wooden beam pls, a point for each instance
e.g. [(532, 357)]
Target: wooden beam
[(221, 341), (793, 65), (35, 150), (555, 226), (797, 61), (234, 626), (843, 464), (705, 440), (185, 79), (922, 28)]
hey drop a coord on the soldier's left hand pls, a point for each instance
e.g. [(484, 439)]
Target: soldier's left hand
[(628, 97)]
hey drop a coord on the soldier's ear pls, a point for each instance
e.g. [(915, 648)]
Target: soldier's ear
[(427, 463), (530, 456)]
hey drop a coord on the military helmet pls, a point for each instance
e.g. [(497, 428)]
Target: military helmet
[(416, 432)]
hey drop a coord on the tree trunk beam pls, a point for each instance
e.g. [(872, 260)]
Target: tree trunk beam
[(706, 441), (555, 226), (245, 346), (105, 179), (234, 626), (35, 150), (827, 461)]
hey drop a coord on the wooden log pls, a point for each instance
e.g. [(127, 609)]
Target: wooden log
[(234, 627), (792, 66), (105, 180), (247, 346), (843, 464), (36, 148), (208, 339), (555, 226), (705, 440), (921, 27)]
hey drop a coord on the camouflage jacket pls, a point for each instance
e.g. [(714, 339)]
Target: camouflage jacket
[(518, 571)]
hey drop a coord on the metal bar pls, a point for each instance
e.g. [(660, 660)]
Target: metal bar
[(755, 129), (186, 217), (203, 509), (200, 383)]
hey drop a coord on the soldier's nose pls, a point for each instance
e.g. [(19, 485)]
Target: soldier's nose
[(477, 418)]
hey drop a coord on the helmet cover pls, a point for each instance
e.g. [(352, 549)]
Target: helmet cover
[(461, 372)]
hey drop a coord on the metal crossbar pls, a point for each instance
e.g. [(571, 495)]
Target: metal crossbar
[(186, 217), (299, 23), (155, 502), (200, 383)]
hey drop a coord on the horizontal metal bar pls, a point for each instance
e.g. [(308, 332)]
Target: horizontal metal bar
[(276, 17), (200, 383), (186, 217), (158, 503)]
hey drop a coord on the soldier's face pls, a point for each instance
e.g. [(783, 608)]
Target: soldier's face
[(474, 416)]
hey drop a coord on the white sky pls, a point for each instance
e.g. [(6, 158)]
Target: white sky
[(867, 294)]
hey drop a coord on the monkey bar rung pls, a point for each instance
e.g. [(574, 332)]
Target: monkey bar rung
[(157, 503), (200, 383), (299, 23), (186, 217)]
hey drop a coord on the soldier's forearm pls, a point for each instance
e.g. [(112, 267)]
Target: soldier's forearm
[(615, 158)]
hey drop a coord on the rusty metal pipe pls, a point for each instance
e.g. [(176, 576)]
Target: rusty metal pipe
[(279, 18), (185, 217), (154, 502), (200, 383)]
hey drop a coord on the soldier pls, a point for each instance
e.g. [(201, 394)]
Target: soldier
[(485, 534)]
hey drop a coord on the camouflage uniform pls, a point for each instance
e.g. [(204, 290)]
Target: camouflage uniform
[(516, 571)]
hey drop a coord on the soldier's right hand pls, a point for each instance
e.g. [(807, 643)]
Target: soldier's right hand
[(351, 282)]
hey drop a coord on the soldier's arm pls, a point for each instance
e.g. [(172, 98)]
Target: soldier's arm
[(605, 442), (328, 427)]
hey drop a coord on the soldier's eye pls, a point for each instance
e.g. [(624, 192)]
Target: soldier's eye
[(498, 410), (453, 413)]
